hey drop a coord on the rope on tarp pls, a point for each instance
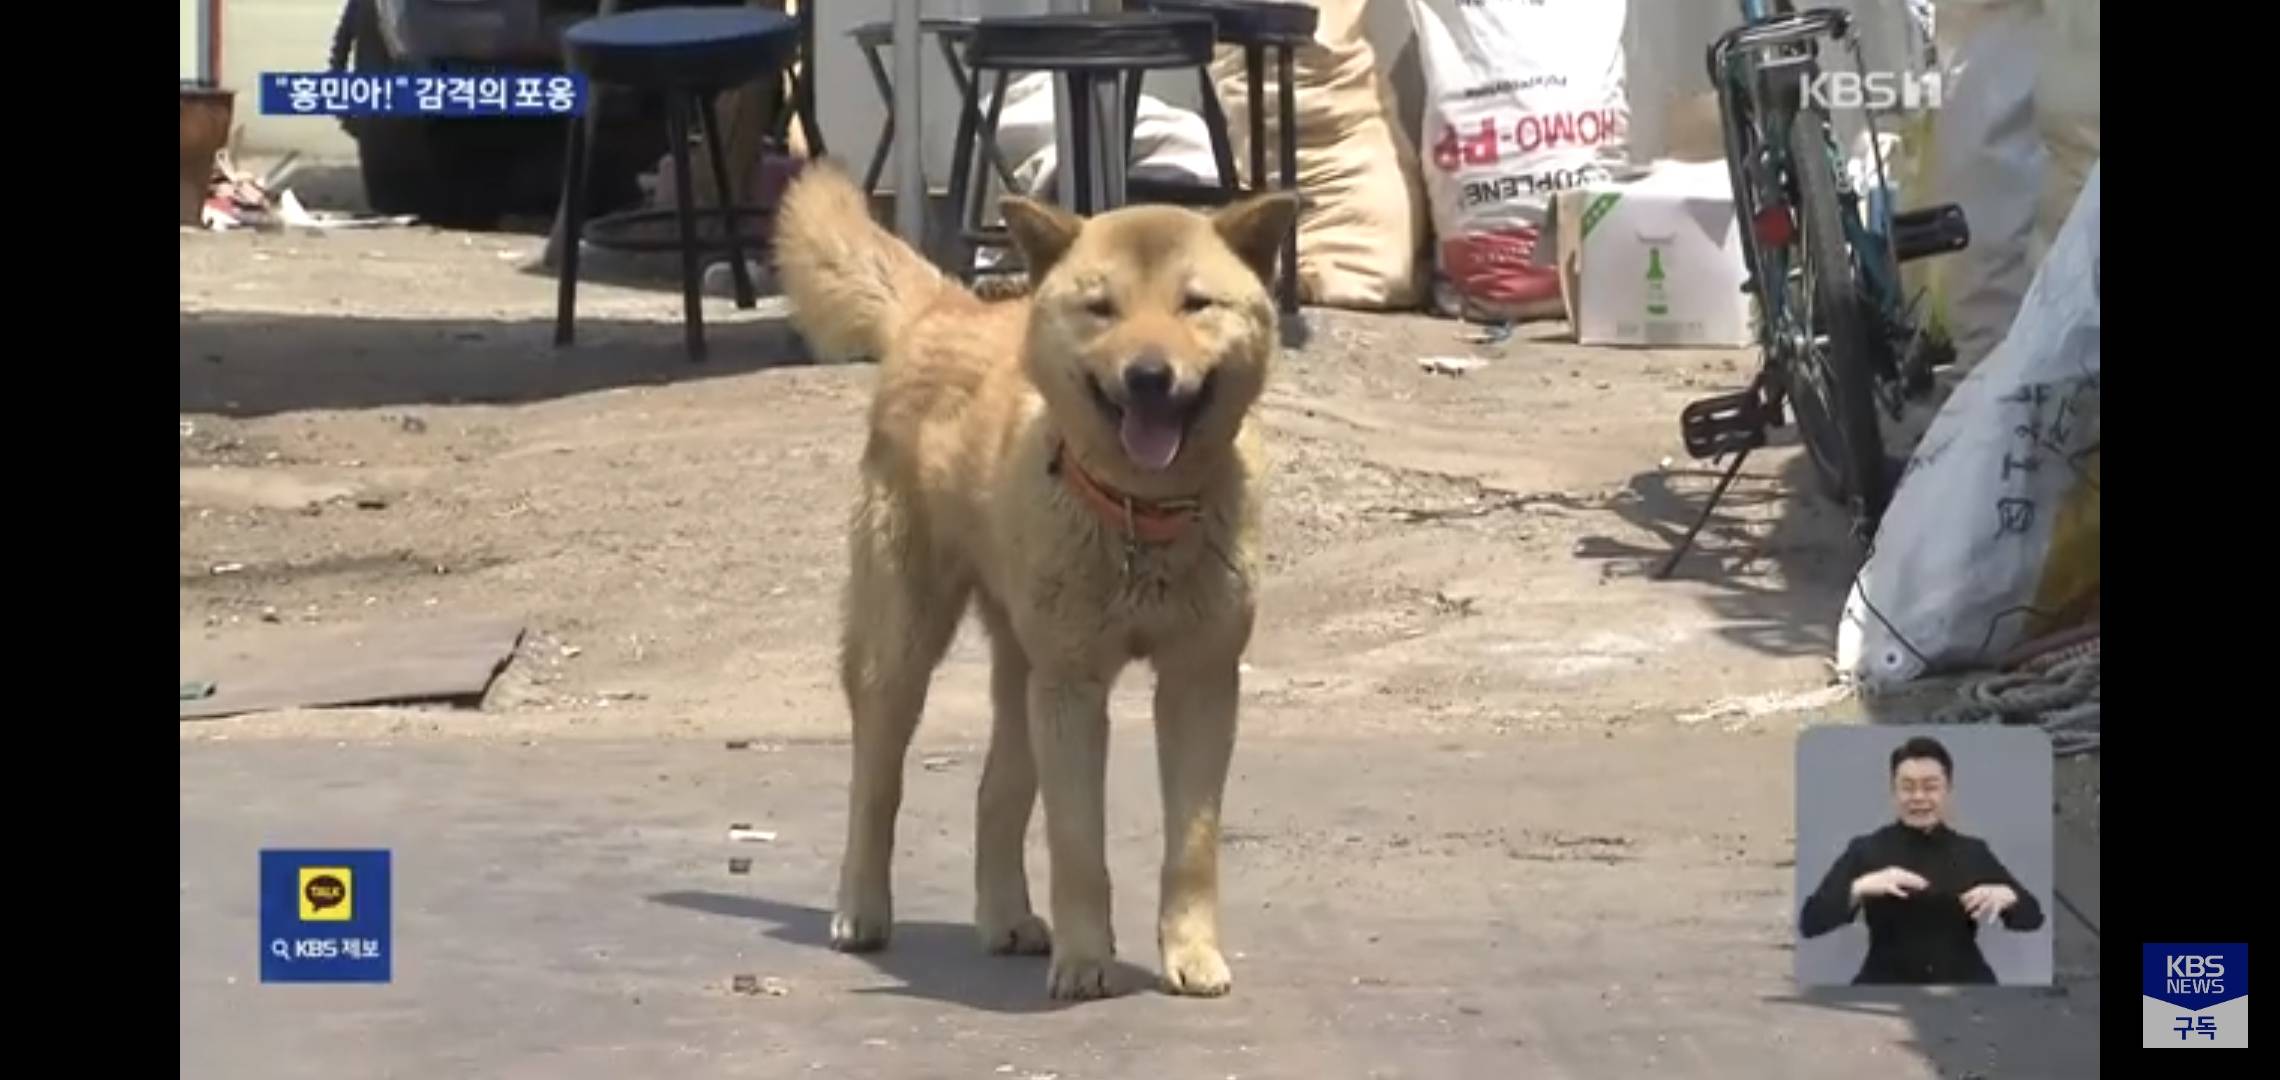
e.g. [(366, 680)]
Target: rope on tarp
[(2058, 692)]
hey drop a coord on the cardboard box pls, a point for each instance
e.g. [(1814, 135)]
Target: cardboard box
[(1656, 261)]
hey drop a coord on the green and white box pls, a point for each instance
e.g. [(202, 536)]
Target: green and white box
[(1656, 261)]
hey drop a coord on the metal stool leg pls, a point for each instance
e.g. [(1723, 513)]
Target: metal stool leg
[(1111, 155), (966, 83), (1132, 82), (727, 198), (1081, 106), (685, 211), (1255, 80), (803, 92), (570, 225), (958, 250), (973, 213), (1215, 117), (887, 130), (989, 132), (1286, 121)]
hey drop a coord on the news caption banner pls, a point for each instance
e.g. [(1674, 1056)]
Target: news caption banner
[(2196, 995), (392, 93), (326, 916)]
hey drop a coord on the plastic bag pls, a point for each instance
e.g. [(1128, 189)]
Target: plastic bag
[(1992, 537), (2066, 107), (1168, 144), (1988, 159), (1523, 100)]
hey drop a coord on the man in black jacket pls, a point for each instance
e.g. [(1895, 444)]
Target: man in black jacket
[(1924, 888)]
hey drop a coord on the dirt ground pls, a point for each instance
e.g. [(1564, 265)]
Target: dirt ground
[(374, 427), (1449, 553)]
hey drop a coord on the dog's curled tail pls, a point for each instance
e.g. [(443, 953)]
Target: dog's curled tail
[(852, 284)]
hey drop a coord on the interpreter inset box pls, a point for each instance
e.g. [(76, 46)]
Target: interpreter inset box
[(1924, 856)]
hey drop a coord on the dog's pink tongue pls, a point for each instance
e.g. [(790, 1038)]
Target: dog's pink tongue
[(1150, 442)]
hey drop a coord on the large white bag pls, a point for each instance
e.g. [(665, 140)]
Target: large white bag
[(1168, 143), (1988, 159), (1522, 100), (1993, 535), (2066, 107)]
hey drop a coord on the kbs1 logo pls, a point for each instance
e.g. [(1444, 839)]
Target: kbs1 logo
[(2196, 995), (1876, 91)]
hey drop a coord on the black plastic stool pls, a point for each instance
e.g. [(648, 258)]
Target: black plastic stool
[(689, 54), (1256, 26), (1083, 50), (951, 33), (801, 75), (803, 87)]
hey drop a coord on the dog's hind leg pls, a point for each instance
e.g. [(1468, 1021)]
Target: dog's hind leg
[(902, 611), (1002, 913)]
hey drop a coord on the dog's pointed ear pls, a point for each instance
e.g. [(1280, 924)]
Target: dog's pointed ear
[(1255, 228), (1041, 230)]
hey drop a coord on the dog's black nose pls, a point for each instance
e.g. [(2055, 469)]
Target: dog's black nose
[(1148, 377)]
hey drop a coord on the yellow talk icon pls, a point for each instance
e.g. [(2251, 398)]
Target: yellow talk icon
[(327, 894)]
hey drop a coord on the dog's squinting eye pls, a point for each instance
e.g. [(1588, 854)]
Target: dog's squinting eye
[(1196, 302), (1101, 307)]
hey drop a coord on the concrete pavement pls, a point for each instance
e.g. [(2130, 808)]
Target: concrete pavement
[(1543, 907)]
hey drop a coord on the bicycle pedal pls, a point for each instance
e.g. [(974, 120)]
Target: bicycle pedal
[(1931, 230), (1726, 424)]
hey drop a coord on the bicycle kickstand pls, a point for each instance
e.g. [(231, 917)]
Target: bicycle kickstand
[(1687, 544)]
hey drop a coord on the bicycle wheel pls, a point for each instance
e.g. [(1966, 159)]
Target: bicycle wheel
[(1831, 382)]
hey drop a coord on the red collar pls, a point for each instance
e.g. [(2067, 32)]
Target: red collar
[(1150, 521)]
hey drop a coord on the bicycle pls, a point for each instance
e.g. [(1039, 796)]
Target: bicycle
[(1838, 342)]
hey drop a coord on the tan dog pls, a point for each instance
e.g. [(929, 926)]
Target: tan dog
[(1079, 465)]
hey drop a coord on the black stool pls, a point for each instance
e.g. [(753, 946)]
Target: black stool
[(1082, 49), (803, 87), (951, 33), (801, 75), (689, 54), (1256, 26)]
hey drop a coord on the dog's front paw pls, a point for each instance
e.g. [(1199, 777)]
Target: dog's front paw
[(1196, 970), (1024, 936), (1079, 978), (862, 929)]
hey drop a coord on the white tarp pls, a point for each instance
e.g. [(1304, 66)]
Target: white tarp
[(1988, 160), (1168, 143), (1993, 534)]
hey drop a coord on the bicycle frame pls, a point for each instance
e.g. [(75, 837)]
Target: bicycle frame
[(1737, 71), (1761, 71)]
